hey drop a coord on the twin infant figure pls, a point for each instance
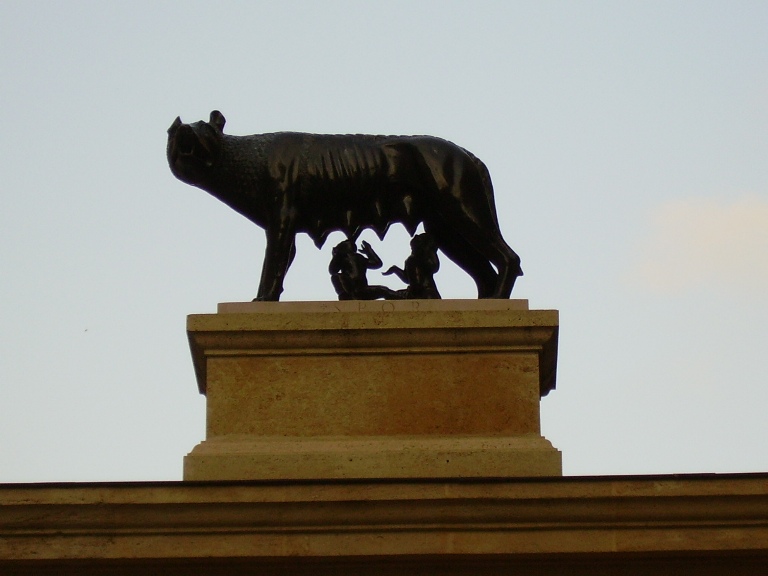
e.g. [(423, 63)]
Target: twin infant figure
[(349, 266)]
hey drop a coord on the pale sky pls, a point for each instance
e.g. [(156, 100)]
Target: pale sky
[(627, 143)]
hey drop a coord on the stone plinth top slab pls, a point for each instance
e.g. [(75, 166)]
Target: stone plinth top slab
[(372, 306), (343, 327)]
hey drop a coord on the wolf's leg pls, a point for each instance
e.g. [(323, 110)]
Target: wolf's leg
[(508, 263), (466, 256), (281, 249)]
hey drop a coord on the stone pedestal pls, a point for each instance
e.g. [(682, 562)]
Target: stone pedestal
[(410, 389)]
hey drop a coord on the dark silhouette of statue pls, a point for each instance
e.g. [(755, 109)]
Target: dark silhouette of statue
[(348, 269), (291, 182), (420, 269)]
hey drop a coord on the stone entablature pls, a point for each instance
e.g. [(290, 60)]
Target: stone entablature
[(715, 524)]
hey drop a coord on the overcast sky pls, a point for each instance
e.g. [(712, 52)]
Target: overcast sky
[(627, 143)]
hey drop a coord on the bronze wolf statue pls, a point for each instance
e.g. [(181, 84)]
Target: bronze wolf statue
[(290, 182)]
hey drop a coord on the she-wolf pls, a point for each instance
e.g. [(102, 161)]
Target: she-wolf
[(290, 182)]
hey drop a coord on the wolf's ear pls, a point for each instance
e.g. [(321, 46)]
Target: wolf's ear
[(218, 120), (175, 125)]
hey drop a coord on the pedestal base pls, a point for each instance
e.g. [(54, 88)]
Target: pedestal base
[(249, 458), (413, 389)]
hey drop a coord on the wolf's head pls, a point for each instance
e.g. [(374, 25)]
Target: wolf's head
[(193, 149)]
